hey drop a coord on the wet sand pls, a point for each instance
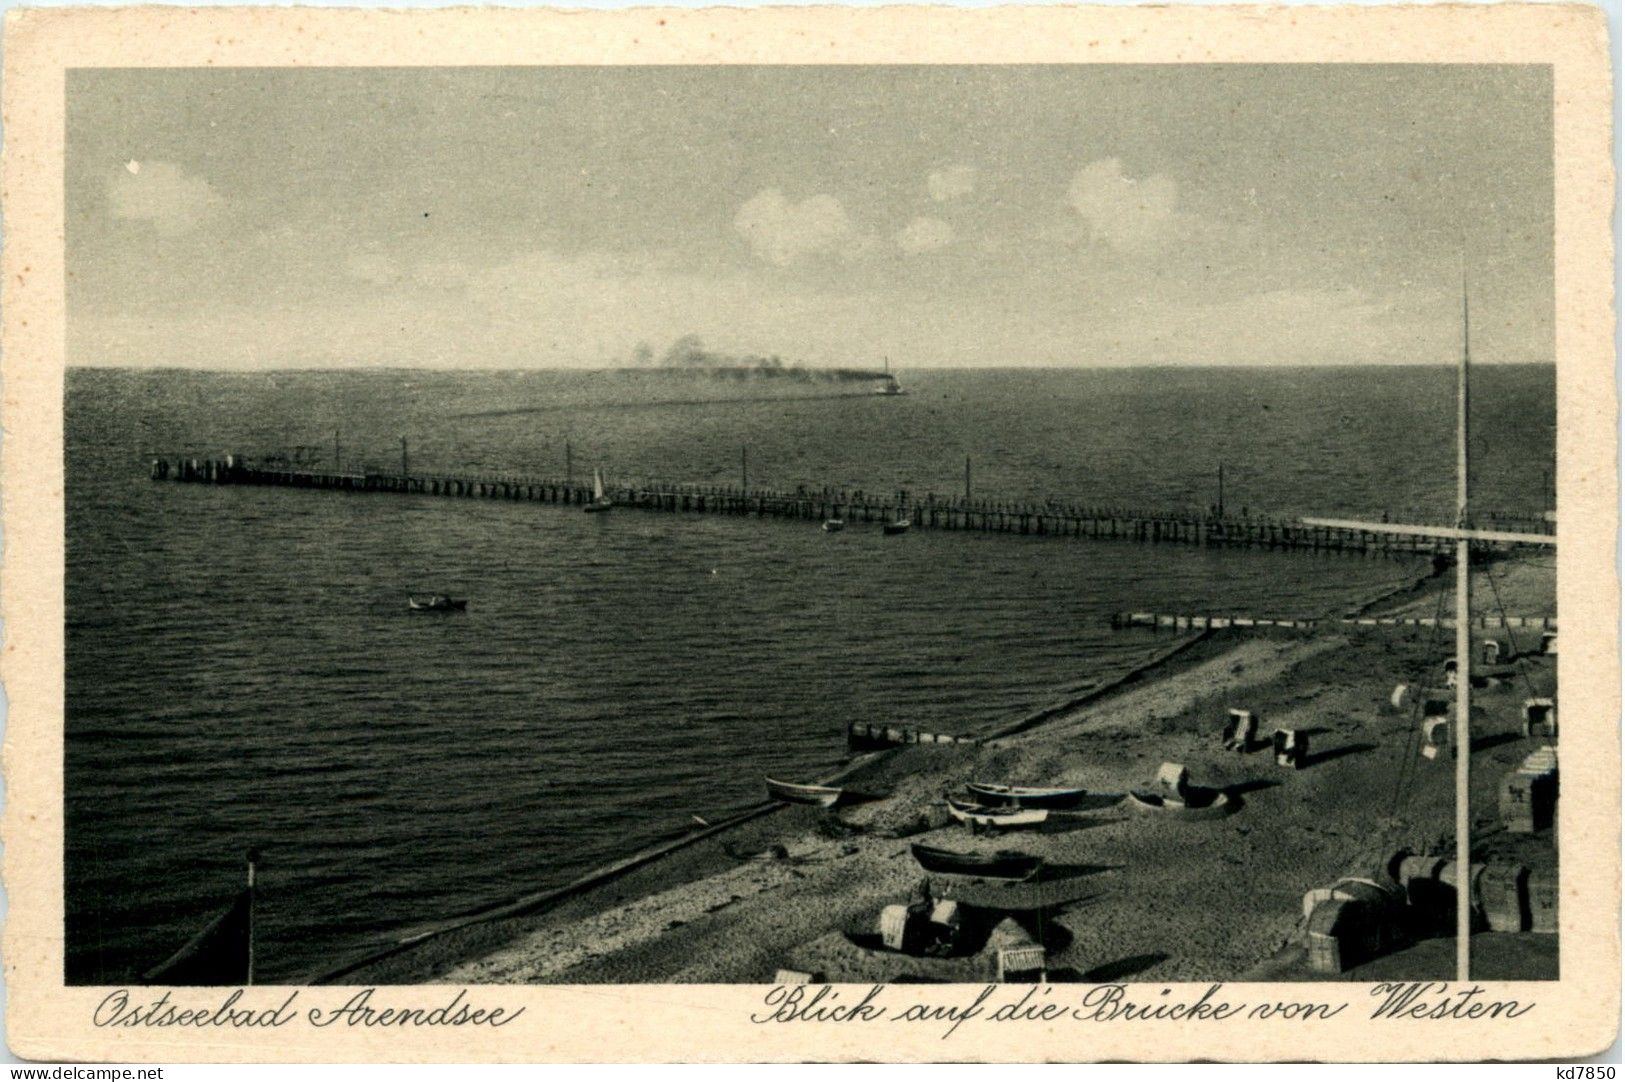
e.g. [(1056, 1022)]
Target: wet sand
[(1145, 897)]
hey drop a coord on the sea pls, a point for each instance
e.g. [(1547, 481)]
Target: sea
[(242, 669)]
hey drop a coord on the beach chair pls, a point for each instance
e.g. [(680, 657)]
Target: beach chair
[(1027, 962), (945, 925), (1240, 730), (1504, 892), (894, 927), (1291, 748), (1543, 901), (1529, 794), (1173, 780), (1540, 718), (1435, 736)]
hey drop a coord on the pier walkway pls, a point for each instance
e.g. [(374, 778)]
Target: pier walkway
[(931, 512)]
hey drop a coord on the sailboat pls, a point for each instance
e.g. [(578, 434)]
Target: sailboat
[(1463, 534), (600, 498)]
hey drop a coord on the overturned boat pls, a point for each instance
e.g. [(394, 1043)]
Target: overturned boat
[(1196, 804), (1004, 864)]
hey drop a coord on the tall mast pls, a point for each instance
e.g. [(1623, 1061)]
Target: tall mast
[(1462, 533), (1464, 663)]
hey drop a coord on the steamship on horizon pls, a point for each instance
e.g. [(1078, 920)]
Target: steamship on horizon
[(889, 384)]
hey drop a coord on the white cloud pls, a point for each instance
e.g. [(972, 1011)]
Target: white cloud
[(162, 194), (1131, 215), (925, 235), (782, 232), (951, 183)]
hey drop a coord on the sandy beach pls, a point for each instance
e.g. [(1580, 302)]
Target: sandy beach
[(1124, 895)]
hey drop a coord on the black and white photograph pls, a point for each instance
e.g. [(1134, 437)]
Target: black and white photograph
[(790, 524), (954, 524)]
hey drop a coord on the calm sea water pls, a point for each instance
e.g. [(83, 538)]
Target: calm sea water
[(241, 667)]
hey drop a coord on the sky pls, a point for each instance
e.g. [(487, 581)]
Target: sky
[(1087, 215)]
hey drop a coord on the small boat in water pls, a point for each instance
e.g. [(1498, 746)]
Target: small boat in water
[(437, 603), (980, 816), (822, 796), (1025, 796), (834, 525), (899, 525), (1004, 864), (600, 498)]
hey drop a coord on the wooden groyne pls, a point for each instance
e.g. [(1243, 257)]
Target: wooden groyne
[(930, 512), (861, 736)]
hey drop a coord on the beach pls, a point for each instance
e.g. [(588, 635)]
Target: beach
[(1127, 896), (613, 676)]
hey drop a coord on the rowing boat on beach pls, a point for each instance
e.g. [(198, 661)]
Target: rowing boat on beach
[(822, 796), (982, 817), (1004, 864), (1025, 796)]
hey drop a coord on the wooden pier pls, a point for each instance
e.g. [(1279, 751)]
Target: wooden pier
[(931, 512)]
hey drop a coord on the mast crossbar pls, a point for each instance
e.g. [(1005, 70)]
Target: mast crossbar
[(1454, 533)]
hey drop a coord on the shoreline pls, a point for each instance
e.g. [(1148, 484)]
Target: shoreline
[(607, 873), (692, 910)]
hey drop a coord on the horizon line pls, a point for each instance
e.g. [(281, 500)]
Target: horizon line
[(1159, 365)]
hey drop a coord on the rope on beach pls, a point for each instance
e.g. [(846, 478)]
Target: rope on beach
[(1405, 777), (1512, 640)]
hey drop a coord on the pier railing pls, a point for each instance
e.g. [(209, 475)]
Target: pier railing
[(1052, 518)]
